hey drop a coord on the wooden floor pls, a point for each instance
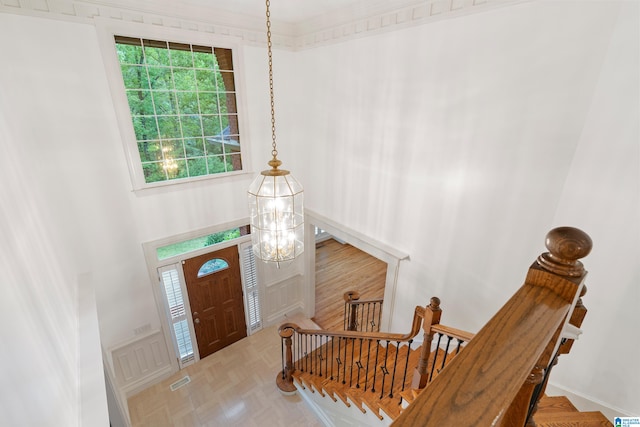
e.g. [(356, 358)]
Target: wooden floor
[(341, 268), (235, 386)]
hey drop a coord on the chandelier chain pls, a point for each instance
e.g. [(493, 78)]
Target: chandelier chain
[(274, 151)]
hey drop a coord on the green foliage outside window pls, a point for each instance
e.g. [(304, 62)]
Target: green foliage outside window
[(183, 107), (186, 246)]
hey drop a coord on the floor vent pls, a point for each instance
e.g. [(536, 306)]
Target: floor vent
[(180, 383)]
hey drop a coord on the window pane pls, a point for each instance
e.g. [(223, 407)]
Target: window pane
[(216, 164), (128, 54), (140, 102), (169, 251), (191, 126), (145, 128), (194, 147), (206, 80), (208, 103), (182, 102), (197, 166), (211, 126), (187, 102), (212, 266), (180, 58), (234, 162), (153, 172), (203, 58), (165, 102), (227, 83), (156, 55), (135, 77), (225, 61), (150, 151), (172, 148), (160, 77)]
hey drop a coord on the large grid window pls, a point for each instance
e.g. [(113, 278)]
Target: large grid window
[(182, 99)]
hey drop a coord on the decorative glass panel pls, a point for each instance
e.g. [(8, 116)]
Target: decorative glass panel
[(212, 266)]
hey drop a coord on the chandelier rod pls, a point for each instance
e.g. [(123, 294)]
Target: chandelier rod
[(274, 150)]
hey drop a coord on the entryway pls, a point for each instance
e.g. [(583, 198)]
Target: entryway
[(214, 287)]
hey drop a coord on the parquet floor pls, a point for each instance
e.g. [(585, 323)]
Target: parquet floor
[(235, 386), (341, 268)]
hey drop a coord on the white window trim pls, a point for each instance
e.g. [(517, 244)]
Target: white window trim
[(106, 30)]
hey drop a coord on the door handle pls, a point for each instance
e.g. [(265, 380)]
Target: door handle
[(196, 321)]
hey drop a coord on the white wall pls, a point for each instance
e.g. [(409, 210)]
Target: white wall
[(602, 195), (462, 142), (69, 204), (50, 344)]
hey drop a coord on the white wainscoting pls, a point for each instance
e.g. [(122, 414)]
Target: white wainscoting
[(282, 298), (141, 362)]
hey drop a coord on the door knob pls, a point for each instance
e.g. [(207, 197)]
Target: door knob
[(196, 321), (195, 314)]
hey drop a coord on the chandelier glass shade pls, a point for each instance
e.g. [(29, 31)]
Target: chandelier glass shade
[(277, 216), (276, 200)]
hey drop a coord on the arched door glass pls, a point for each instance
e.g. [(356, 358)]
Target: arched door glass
[(212, 266)]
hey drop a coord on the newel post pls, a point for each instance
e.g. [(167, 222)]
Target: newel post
[(284, 380), (566, 245), (350, 310), (432, 314)]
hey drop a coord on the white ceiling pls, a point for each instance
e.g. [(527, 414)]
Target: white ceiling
[(291, 11)]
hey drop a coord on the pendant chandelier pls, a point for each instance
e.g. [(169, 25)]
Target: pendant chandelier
[(276, 200)]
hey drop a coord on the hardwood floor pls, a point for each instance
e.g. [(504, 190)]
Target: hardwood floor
[(341, 268), (232, 387)]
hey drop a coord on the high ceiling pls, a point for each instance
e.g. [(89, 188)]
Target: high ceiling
[(284, 11), (291, 11)]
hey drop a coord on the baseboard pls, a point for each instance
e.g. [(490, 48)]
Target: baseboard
[(146, 382), (280, 317), (586, 403)]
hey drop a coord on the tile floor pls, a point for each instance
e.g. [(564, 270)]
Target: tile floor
[(233, 387)]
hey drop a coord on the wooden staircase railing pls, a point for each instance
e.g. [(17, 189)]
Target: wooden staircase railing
[(361, 315), (372, 368), (493, 381)]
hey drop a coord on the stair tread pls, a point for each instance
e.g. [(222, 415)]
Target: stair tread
[(549, 404), (571, 419)]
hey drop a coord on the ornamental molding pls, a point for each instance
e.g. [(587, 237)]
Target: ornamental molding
[(337, 26)]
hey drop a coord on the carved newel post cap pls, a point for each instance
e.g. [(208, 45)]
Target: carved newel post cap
[(566, 246), (434, 303)]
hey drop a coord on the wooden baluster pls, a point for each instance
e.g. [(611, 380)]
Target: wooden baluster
[(432, 316), (350, 309), (566, 246), (284, 380)]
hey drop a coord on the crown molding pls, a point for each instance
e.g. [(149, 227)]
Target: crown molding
[(333, 27), (344, 25)]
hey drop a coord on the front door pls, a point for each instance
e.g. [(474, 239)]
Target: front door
[(215, 295)]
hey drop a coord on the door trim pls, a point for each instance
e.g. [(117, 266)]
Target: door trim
[(153, 264), (366, 244)]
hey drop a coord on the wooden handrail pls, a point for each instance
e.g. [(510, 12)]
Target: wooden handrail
[(354, 308), (453, 332), (490, 381), (415, 328)]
